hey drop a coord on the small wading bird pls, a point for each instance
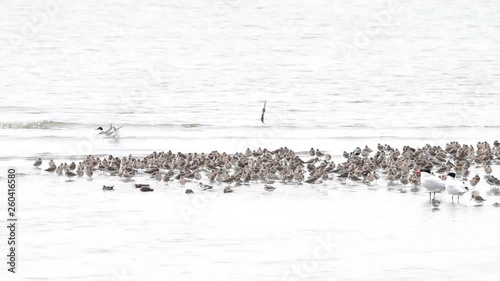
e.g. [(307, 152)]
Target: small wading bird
[(263, 111), (435, 202), (269, 188), (478, 198), (454, 187), (432, 183), (107, 187), (205, 186), (69, 174), (38, 162), (146, 189)]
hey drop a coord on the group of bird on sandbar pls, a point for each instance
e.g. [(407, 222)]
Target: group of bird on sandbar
[(437, 169)]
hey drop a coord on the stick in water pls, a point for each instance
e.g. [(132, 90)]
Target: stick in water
[(263, 111)]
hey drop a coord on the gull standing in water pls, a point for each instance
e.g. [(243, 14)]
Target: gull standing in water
[(455, 187), (432, 183)]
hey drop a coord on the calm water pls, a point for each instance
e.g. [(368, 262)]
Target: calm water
[(193, 76)]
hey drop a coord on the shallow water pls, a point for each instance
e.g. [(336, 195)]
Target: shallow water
[(193, 76)]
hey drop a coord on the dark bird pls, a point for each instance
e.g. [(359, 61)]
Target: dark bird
[(269, 188), (189, 191), (146, 189), (228, 190), (263, 111), (140, 185), (70, 174), (435, 202), (107, 187), (51, 169), (38, 162)]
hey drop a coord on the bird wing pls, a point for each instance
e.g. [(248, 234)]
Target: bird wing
[(432, 183)]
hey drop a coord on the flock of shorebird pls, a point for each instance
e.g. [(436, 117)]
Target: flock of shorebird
[(435, 168)]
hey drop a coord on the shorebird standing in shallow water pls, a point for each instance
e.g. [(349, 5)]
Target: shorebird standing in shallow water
[(269, 188), (263, 112), (432, 183), (454, 187), (89, 172), (477, 198), (104, 187), (488, 170), (205, 186), (435, 202), (146, 189), (60, 169), (38, 163), (51, 169), (475, 180), (182, 181), (70, 174)]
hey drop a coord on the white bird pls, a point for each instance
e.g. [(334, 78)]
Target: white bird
[(455, 187), (108, 132), (432, 183), (111, 132)]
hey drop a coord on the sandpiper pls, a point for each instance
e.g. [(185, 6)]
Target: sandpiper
[(487, 169), (269, 188), (70, 174), (435, 202), (263, 112), (475, 180), (205, 186), (477, 198), (146, 189), (110, 187), (51, 169), (89, 172), (60, 169), (38, 162), (189, 191)]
